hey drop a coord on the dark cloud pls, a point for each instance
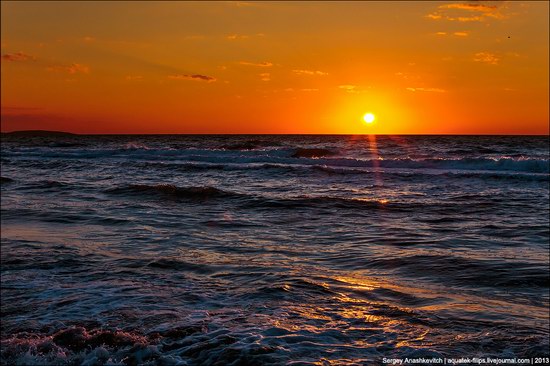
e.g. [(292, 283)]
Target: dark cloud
[(259, 64), (471, 7), (467, 12), (71, 69), (18, 56), (196, 77)]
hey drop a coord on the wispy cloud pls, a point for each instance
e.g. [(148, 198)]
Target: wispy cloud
[(408, 76), (310, 72), (432, 90), (466, 12), (486, 57), (350, 88), (258, 64), (457, 34), (134, 77), (265, 76), (233, 37), (434, 16), (471, 7), (309, 90), (71, 69), (236, 36), (18, 56), (196, 77)]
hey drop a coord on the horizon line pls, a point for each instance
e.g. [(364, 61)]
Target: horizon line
[(268, 134)]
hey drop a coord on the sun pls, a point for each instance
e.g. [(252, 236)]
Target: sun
[(369, 117)]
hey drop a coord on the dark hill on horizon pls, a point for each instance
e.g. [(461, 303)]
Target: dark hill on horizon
[(38, 133)]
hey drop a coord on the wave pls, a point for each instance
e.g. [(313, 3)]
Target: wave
[(262, 202), (473, 164), (466, 271), (249, 200), (323, 201), (250, 153), (248, 145), (502, 164), (312, 153), (300, 169), (170, 190), (179, 265), (217, 340)]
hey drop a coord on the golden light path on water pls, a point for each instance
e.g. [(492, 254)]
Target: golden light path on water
[(370, 119)]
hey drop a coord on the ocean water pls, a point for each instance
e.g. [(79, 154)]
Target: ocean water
[(302, 250)]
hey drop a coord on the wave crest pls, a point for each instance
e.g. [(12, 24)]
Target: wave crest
[(171, 190)]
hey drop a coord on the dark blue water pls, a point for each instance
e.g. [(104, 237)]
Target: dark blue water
[(226, 250)]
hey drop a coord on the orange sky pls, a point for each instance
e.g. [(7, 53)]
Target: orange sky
[(276, 67)]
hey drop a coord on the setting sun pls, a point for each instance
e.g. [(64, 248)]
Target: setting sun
[(369, 118)]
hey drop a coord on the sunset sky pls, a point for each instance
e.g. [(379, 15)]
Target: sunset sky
[(276, 67)]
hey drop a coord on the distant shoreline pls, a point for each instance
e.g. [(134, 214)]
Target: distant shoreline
[(38, 133)]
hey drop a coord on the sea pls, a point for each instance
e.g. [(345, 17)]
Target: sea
[(273, 249)]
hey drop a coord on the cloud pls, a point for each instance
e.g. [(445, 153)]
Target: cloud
[(71, 69), (432, 90), (309, 90), (233, 37), (134, 77), (309, 72), (466, 12), (18, 56), (413, 77), (475, 18), (458, 34), (434, 16), (260, 64), (88, 39), (195, 77), (349, 88), (470, 7), (265, 76), (486, 57)]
